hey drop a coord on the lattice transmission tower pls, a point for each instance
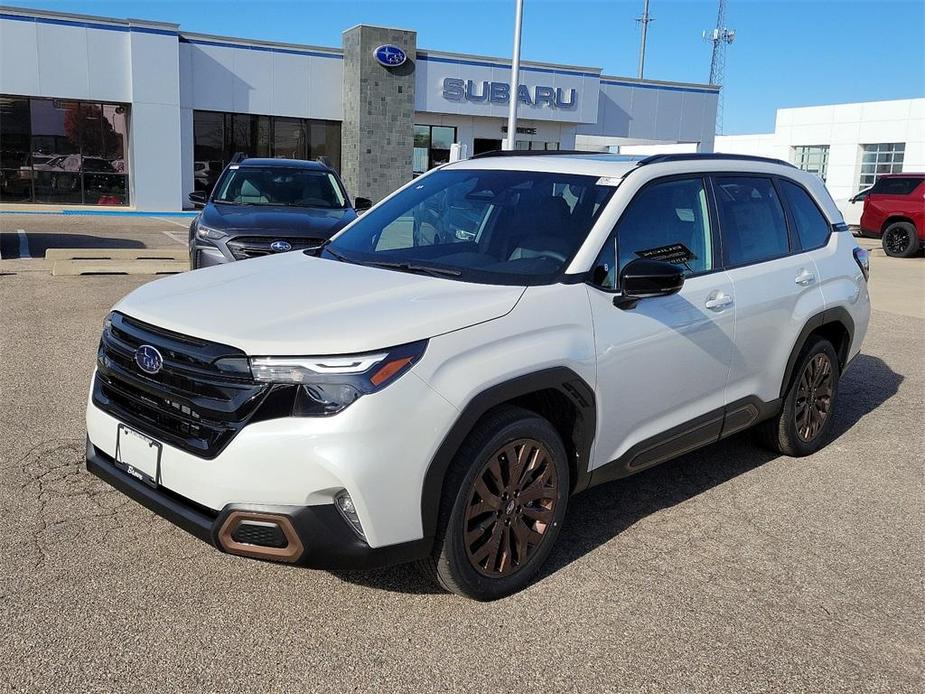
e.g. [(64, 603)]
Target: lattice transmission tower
[(720, 36)]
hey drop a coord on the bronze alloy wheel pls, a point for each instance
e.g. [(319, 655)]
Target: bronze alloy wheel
[(512, 503), (814, 397)]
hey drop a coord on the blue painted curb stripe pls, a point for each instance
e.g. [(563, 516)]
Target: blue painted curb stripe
[(103, 213)]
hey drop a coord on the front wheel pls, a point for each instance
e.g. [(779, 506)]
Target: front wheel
[(900, 240), (503, 505), (805, 418)]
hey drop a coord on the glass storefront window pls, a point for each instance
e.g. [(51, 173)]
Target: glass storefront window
[(217, 137), (62, 152), (431, 146)]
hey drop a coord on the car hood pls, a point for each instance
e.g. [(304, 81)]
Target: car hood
[(294, 304), (258, 220)]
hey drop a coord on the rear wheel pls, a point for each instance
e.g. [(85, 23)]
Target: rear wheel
[(900, 240), (502, 507), (805, 419)]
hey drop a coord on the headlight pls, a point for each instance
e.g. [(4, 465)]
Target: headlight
[(205, 232), (327, 385)]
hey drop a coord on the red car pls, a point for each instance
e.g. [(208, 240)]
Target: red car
[(894, 210)]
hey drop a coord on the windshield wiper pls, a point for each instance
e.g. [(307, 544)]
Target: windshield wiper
[(415, 267), (326, 246)]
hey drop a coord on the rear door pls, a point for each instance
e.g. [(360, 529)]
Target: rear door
[(776, 286)]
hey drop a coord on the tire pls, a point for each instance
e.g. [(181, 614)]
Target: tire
[(900, 240), (492, 510), (802, 430)]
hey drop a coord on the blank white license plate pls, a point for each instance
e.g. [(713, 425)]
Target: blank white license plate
[(138, 455)]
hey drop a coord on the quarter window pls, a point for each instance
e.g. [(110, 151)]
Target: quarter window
[(812, 227), (665, 221), (754, 228), (896, 186)]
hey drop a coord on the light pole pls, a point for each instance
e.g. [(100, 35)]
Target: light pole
[(515, 78)]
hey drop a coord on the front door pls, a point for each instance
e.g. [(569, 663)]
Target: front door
[(663, 365)]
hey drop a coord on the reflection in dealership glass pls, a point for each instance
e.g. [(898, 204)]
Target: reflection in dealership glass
[(491, 226), (61, 151)]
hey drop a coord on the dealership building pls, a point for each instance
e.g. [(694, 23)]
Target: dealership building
[(847, 145), (133, 113)]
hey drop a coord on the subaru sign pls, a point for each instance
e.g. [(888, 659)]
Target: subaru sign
[(389, 55), (455, 89)]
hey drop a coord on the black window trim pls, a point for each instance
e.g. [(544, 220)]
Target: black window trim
[(791, 247), (791, 218), (715, 236)]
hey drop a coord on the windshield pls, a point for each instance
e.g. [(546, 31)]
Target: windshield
[(495, 227), (272, 185)]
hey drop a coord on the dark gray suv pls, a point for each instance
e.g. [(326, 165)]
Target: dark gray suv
[(263, 206)]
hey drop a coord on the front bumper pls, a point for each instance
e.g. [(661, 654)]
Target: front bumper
[(322, 539)]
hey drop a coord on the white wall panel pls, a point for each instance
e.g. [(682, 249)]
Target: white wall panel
[(156, 163), (19, 67), (252, 86), (108, 58), (326, 88), (62, 60), (290, 85)]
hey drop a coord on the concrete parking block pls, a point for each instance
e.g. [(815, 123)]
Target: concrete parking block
[(165, 254), (119, 267)]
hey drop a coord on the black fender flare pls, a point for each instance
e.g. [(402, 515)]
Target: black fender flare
[(836, 314), (561, 379)]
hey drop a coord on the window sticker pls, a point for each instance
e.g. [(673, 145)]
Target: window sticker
[(609, 181), (674, 253)]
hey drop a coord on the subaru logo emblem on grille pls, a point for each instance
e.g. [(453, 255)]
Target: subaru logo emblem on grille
[(280, 246), (389, 55), (148, 359)]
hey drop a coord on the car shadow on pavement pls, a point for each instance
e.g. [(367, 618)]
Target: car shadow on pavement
[(39, 242), (601, 513)]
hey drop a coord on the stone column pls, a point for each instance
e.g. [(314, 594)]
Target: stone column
[(377, 132)]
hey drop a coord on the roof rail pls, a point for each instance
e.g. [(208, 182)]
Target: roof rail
[(546, 152), (692, 156)]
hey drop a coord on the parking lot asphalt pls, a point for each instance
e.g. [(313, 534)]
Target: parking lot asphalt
[(30, 235), (730, 569)]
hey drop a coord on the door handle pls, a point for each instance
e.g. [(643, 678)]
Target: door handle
[(718, 301), (805, 278)]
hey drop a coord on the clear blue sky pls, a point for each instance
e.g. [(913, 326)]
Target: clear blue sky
[(786, 53)]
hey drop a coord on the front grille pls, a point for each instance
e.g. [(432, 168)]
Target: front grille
[(199, 400), (243, 247)]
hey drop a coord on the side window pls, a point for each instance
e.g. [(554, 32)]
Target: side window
[(812, 228), (665, 221), (752, 219)]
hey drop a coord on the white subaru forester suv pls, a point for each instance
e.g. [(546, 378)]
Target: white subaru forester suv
[(496, 336)]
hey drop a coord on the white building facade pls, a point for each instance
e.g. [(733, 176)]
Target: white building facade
[(137, 114), (848, 145)]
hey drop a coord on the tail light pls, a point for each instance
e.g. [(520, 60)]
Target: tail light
[(862, 258)]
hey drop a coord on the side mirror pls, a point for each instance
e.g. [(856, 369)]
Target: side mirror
[(198, 198), (645, 279), (362, 204)]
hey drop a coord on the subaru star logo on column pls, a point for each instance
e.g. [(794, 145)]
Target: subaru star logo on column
[(148, 359), (389, 55)]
